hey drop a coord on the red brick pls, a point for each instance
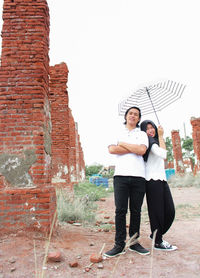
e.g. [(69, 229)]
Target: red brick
[(177, 151), (27, 98)]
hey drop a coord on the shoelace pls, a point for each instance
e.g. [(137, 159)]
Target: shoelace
[(166, 244)]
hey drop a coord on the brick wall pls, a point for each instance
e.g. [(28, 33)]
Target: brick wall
[(67, 155), (177, 151), (72, 143), (195, 122), (39, 141), (29, 209), (58, 97), (169, 164), (24, 115), (80, 161)]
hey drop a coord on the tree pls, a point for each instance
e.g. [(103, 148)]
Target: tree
[(187, 147), (92, 169), (169, 147)]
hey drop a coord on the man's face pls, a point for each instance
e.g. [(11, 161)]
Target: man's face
[(132, 117)]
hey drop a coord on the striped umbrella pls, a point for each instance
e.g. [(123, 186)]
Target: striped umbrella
[(153, 98)]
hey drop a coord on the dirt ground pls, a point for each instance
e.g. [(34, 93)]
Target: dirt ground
[(77, 243)]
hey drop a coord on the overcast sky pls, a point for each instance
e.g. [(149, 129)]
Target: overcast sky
[(111, 48)]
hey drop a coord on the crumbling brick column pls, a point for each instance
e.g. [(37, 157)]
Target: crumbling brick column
[(80, 165), (81, 162), (195, 122), (177, 151), (67, 166), (25, 125), (60, 125), (72, 143)]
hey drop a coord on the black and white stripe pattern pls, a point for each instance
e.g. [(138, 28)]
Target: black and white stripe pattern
[(153, 98)]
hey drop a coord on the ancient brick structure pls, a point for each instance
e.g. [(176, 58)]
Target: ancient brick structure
[(35, 120), (177, 151), (67, 155), (60, 124), (169, 164), (195, 122)]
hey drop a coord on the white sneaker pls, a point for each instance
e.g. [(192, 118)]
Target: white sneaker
[(164, 241), (165, 246)]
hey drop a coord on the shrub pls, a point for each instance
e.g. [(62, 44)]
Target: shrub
[(186, 180), (82, 207), (90, 191), (76, 209)]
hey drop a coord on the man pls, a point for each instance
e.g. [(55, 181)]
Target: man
[(129, 181)]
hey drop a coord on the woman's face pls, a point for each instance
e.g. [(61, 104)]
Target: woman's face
[(150, 130)]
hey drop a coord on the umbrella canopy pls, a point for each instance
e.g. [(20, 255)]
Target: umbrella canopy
[(153, 98)]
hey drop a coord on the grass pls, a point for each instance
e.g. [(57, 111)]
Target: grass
[(187, 211), (106, 227), (91, 191), (81, 208), (186, 180)]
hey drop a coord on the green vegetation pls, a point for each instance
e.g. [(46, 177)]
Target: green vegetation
[(186, 180), (105, 172), (169, 147), (81, 206), (187, 147), (91, 191), (106, 227), (187, 211), (92, 169)]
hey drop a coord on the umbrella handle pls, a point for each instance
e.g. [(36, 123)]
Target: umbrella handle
[(152, 106)]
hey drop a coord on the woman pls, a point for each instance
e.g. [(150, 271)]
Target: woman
[(159, 199)]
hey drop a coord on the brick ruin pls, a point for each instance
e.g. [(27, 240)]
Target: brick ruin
[(195, 122), (177, 150), (40, 147)]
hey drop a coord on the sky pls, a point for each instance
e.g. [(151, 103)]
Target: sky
[(112, 48)]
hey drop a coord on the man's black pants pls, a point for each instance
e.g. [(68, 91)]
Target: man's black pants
[(128, 189)]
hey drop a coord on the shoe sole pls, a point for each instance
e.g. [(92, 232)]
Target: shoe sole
[(143, 254), (109, 256), (167, 250)]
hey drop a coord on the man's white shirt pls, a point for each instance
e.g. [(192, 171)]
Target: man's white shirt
[(130, 164)]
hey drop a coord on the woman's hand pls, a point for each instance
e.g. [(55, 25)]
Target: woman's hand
[(160, 131), (160, 137)]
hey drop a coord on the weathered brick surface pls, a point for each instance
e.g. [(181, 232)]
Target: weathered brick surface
[(195, 122), (32, 209), (177, 151), (58, 97), (72, 154), (67, 155), (24, 114), (39, 143), (169, 164)]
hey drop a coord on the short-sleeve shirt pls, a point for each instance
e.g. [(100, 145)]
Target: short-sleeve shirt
[(130, 164), (155, 164)]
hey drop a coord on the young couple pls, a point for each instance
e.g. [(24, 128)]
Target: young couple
[(139, 168)]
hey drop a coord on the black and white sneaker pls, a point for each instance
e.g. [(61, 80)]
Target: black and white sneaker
[(164, 241), (138, 248), (164, 246), (116, 251)]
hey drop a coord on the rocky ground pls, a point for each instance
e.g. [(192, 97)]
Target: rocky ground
[(22, 254)]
